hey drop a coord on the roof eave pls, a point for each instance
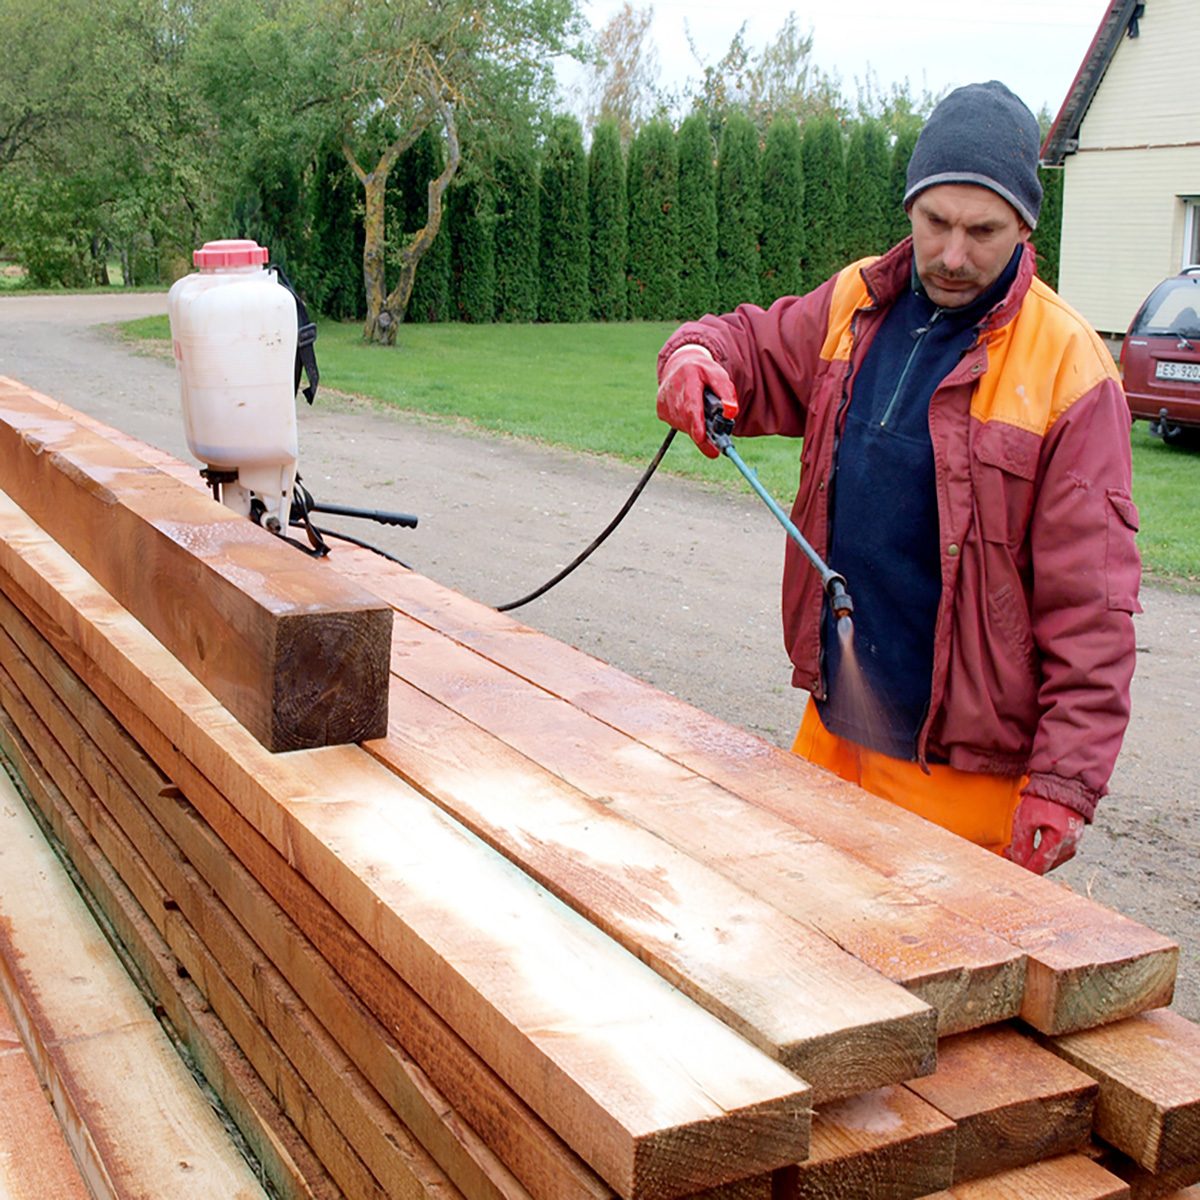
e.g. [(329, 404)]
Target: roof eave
[(1063, 138)]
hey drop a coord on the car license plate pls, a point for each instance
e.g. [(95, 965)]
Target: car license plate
[(1177, 370)]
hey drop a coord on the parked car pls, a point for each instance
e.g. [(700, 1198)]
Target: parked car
[(1160, 357)]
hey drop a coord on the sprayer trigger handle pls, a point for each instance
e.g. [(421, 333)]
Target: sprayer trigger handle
[(718, 426)]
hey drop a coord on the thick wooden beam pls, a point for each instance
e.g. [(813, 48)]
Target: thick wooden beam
[(1013, 1103), (297, 653), (136, 1120), (1087, 965), (656, 1094), (1148, 1069)]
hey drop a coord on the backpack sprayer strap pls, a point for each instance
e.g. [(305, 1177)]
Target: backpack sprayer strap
[(306, 336)]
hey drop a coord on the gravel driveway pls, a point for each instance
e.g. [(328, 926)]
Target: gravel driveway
[(684, 594)]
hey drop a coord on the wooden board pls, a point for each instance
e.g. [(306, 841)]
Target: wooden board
[(783, 985), (35, 1161), (884, 1145), (1013, 1103), (1087, 964), (136, 1121), (654, 1093), (383, 1143), (296, 652), (1143, 1184), (1148, 1069), (1071, 1177)]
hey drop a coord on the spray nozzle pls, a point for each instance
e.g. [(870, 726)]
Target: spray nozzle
[(839, 598)]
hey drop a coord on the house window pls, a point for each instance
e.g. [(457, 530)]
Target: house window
[(1191, 231)]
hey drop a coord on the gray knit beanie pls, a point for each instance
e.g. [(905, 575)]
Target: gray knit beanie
[(980, 134)]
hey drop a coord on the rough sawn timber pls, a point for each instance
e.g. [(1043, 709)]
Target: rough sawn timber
[(450, 707), (296, 652), (363, 1144), (519, 1138), (285, 1158), (1071, 1177), (1012, 1102), (886, 1145), (658, 1096), (182, 851), (1148, 1069), (783, 985)]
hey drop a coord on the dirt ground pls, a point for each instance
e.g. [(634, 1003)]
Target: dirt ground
[(683, 595)]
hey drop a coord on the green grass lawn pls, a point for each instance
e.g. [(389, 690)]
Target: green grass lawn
[(591, 388)]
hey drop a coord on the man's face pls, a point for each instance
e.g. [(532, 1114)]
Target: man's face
[(963, 237)]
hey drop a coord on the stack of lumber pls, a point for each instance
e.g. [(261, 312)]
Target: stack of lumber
[(552, 935), (133, 1120)]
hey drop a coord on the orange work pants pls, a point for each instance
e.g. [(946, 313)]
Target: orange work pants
[(977, 807)]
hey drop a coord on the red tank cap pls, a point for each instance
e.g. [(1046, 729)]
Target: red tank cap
[(231, 252)]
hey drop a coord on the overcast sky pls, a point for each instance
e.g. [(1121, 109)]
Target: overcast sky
[(1034, 46)]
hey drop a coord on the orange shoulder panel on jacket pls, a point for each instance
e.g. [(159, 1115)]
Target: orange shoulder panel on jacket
[(1040, 363), (849, 295)]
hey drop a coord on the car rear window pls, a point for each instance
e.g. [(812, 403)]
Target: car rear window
[(1173, 308)]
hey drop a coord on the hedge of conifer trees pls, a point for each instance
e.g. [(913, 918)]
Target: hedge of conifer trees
[(681, 222)]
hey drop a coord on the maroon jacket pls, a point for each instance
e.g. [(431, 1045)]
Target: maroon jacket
[(1034, 641)]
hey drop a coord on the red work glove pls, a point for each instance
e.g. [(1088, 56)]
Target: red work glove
[(1060, 828), (685, 375)]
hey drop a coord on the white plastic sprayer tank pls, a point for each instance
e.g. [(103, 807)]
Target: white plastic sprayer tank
[(233, 328)]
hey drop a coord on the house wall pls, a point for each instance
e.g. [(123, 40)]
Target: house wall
[(1123, 227), (1138, 157)]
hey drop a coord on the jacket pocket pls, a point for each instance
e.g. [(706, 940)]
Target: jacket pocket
[(1122, 563), (1004, 464), (1010, 617)]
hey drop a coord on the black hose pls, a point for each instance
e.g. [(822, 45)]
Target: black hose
[(600, 539)]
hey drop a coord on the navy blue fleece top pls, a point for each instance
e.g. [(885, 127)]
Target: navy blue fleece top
[(883, 533)]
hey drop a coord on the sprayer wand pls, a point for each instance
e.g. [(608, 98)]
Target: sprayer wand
[(720, 433)]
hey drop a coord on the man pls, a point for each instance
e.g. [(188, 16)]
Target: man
[(966, 467)]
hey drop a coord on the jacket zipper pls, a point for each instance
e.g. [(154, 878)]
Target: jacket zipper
[(921, 335)]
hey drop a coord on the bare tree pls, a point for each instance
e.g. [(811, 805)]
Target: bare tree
[(624, 82), (406, 66), (780, 78)]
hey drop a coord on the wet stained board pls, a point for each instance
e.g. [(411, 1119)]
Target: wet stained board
[(1011, 1101)]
